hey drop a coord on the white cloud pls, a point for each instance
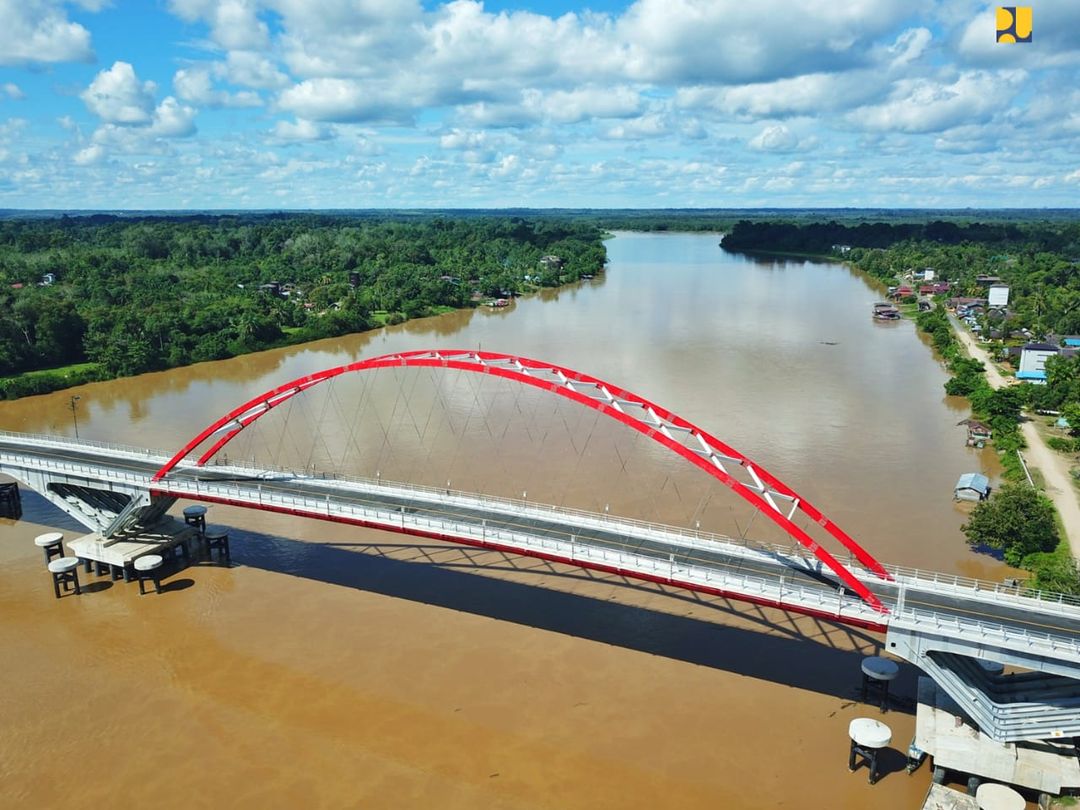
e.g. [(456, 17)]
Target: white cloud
[(1055, 39), (251, 69), (462, 139), (909, 46), (926, 105), (37, 31), (116, 95), (196, 85), (94, 153), (729, 41), (652, 125), (172, 120), (301, 130), (572, 106), (347, 100), (12, 91), (801, 95), (776, 138), (234, 24)]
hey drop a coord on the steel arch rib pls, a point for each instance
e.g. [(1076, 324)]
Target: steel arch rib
[(658, 423)]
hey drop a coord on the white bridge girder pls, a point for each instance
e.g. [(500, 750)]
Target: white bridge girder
[(102, 506)]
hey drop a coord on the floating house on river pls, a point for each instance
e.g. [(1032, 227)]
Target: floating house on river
[(886, 312), (972, 487), (978, 433)]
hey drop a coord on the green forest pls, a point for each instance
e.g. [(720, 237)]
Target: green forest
[(95, 297)]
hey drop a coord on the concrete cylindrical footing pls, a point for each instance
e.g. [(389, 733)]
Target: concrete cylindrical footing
[(991, 796), (868, 736), (877, 674)]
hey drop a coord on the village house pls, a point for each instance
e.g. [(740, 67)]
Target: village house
[(1033, 358), (978, 434), (964, 303), (972, 487), (998, 295)]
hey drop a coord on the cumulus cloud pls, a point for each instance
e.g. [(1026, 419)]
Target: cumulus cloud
[(462, 139), (777, 138), (172, 120), (116, 95), (131, 121), (808, 94), (572, 106), (251, 69), (928, 105), (88, 156), (37, 31), (12, 91), (652, 125), (234, 24), (301, 130), (728, 41), (1056, 39), (346, 101), (909, 46), (196, 85)]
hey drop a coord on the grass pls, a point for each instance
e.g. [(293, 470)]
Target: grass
[(62, 371)]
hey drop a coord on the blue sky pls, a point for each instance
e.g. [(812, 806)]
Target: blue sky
[(654, 103)]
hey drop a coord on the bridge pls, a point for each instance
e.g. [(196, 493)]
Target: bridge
[(942, 623)]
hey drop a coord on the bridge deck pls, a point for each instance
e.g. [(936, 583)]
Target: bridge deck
[(711, 563)]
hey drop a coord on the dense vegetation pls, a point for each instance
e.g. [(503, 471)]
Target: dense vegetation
[(136, 294), (820, 237), (1018, 520)]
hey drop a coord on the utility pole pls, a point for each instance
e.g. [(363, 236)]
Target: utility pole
[(74, 417)]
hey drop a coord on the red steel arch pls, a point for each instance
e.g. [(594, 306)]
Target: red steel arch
[(762, 489)]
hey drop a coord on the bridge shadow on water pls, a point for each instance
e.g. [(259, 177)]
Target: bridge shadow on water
[(797, 651)]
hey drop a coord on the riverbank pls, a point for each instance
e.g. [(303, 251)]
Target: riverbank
[(1055, 470)]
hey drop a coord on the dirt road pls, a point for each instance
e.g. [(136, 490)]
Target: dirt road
[(1054, 467)]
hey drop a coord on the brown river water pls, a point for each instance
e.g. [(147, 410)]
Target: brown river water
[(332, 666)]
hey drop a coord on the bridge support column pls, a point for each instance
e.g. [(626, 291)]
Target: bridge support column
[(867, 738), (1042, 702)]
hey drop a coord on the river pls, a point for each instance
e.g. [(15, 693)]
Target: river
[(332, 666)]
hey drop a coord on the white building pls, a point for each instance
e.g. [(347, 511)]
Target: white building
[(997, 296), (1033, 362)]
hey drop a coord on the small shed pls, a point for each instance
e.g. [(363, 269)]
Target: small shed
[(972, 487)]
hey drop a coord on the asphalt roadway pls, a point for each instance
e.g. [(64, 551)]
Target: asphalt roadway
[(1031, 615)]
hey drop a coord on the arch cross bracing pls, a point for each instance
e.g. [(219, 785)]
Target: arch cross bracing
[(775, 499)]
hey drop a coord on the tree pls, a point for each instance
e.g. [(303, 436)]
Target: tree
[(1055, 572), (1016, 520)]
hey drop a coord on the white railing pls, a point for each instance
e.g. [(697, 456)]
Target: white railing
[(568, 547), (1006, 635), (252, 491), (34, 440)]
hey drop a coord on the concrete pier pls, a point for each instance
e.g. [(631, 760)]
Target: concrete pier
[(943, 732), (121, 550)]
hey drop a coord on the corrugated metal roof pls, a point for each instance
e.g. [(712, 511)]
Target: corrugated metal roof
[(976, 481)]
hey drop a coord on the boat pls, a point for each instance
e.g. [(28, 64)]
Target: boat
[(886, 312)]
